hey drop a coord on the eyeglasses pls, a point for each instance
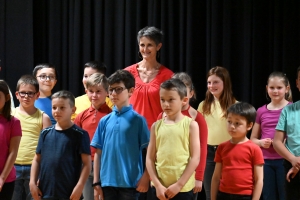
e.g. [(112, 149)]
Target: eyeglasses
[(117, 90), (45, 77), (29, 94)]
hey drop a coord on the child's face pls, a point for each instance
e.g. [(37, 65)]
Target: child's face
[(88, 71), (27, 95), (49, 79), (62, 110), (215, 85), (119, 94), (298, 81), (237, 126), (276, 89), (170, 101), (97, 95), (3, 99)]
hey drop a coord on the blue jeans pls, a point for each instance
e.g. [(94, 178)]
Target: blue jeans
[(117, 193), (226, 196), (180, 196), (209, 169), (22, 183), (274, 180), (292, 188)]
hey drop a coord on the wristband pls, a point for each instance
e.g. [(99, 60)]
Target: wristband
[(97, 183)]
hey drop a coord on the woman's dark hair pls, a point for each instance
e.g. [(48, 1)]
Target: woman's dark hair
[(152, 33)]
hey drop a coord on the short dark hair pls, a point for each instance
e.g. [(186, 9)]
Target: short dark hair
[(298, 70), (44, 65), (64, 94), (7, 106), (152, 33), (28, 80), (97, 79), (123, 76), (99, 66), (175, 84), (243, 109)]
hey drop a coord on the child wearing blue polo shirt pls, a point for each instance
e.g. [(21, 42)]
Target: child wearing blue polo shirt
[(119, 140)]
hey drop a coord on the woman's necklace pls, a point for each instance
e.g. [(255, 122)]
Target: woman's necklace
[(150, 72)]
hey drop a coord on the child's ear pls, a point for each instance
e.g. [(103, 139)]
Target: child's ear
[(249, 126), (130, 91), (185, 101), (7, 97), (37, 95), (85, 90), (73, 109)]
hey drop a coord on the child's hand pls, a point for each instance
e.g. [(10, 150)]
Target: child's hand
[(36, 193), (172, 190), (296, 162), (76, 193), (161, 193), (98, 193), (265, 143), (143, 184), (198, 186), (292, 173)]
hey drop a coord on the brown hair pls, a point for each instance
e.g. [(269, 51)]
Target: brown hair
[(7, 106), (226, 99)]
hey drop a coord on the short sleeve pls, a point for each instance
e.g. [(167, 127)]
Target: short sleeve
[(200, 107), (15, 127), (218, 156), (144, 134), (258, 115), (281, 125), (40, 142), (258, 158), (85, 143), (97, 140)]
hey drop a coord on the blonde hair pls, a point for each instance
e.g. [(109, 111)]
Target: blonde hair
[(97, 79)]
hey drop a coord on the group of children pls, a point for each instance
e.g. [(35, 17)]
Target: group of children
[(96, 153)]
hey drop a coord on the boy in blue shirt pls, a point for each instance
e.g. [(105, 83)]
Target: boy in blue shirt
[(119, 140), (62, 162)]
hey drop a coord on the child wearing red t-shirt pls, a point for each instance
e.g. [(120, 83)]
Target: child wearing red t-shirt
[(239, 162)]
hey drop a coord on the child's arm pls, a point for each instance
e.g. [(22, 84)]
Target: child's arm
[(98, 193), (85, 171), (258, 181), (282, 150), (173, 189), (291, 173), (34, 174), (215, 181), (150, 165), (12, 155), (46, 121), (143, 183), (256, 135)]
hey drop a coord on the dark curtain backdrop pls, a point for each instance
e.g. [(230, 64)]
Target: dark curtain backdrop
[(250, 38)]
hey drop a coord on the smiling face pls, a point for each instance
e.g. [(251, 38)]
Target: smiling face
[(46, 85), (276, 89), (148, 48), (97, 95), (215, 86)]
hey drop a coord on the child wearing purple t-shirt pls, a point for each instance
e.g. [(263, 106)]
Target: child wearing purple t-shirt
[(278, 90)]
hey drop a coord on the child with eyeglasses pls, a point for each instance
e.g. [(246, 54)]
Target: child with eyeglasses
[(46, 75), (119, 140), (32, 121)]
